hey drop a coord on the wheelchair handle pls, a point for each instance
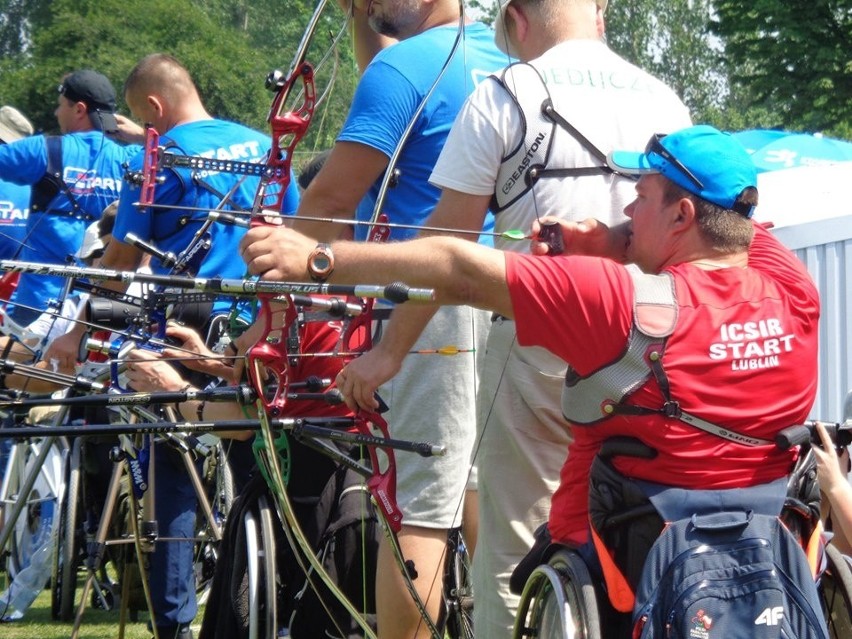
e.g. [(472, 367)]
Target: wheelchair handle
[(792, 436), (840, 434)]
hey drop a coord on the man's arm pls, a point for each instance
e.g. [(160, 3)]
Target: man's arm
[(344, 179), (461, 272), (589, 237), (118, 256)]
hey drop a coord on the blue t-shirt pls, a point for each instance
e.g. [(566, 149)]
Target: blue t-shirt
[(391, 89), (14, 211), (92, 167), (172, 229)]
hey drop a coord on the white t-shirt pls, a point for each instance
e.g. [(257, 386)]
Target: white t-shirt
[(613, 103)]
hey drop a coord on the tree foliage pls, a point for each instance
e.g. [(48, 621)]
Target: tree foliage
[(229, 48), (736, 65), (792, 58), (670, 39)]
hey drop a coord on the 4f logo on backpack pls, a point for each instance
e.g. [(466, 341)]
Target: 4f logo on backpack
[(770, 617)]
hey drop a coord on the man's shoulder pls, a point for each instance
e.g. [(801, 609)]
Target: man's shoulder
[(592, 64), (477, 40), (201, 135)]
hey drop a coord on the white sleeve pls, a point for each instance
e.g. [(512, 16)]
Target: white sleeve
[(477, 143)]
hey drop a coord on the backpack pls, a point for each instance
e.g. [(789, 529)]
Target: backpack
[(347, 532), (729, 574)]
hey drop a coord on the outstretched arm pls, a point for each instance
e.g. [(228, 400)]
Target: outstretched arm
[(587, 237), (461, 272)]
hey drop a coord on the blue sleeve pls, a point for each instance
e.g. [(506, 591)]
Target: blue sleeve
[(290, 202), (382, 106), (23, 161)]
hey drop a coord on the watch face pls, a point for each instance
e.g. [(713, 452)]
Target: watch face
[(321, 262)]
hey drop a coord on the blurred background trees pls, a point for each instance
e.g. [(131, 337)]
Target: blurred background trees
[(757, 64)]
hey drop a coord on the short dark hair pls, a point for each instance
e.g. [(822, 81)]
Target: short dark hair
[(725, 230)]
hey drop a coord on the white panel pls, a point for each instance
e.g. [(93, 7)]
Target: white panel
[(826, 249)]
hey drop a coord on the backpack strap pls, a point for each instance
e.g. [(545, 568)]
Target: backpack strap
[(537, 132), (51, 183)]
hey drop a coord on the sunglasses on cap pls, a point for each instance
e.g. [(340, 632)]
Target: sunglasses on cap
[(656, 147)]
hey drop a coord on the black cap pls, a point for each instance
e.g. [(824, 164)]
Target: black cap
[(96, 92)]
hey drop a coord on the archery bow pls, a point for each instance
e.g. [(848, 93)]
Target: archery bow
[(269, 354)]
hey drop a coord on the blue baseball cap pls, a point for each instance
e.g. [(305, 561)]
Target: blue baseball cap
[(700, 159)]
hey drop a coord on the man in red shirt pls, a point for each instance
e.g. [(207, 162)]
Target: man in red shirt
[(731, 319)]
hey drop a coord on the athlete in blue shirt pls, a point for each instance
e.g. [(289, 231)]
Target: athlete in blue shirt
[(14, 210), (91, 169), (160, 91), (14, 198), (437, 404)]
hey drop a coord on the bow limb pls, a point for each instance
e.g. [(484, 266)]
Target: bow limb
[(382, 487), (270, 357)]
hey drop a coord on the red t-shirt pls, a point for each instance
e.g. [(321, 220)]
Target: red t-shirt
[(322, 338), (743, 355)]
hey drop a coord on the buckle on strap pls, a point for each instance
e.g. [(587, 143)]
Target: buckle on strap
[(671, 409)]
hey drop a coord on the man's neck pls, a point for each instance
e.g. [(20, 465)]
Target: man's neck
[(714, 262), (444, 15), (187, 116)]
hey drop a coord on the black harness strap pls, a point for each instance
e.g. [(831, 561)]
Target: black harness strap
[(51, 184), (538, 172)]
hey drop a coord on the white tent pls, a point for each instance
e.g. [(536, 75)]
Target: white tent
[(804, 194)]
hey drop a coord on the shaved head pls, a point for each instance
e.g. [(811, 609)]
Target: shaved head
[(160, 74)]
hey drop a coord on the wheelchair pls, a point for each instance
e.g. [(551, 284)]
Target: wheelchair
[(565, 598)]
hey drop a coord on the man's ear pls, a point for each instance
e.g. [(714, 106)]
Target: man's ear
[(81, 110), (685, 212), (156, 103), (519, 19)]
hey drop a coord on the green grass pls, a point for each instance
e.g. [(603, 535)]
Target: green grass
[(96, 624)]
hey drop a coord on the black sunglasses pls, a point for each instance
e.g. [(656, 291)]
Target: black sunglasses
[(655, 146)]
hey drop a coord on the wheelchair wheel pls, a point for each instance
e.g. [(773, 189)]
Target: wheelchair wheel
[(558, 601), (458, 589), (35, 524), (219, 483), (66, 558), (835, 591), (260, 552)]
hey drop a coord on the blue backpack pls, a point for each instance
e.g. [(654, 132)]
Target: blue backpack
[(727, 574)]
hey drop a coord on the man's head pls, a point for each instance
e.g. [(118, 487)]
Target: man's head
[(160, 91), (552, 21), (13, 125), (86, 102), (697, 179)]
